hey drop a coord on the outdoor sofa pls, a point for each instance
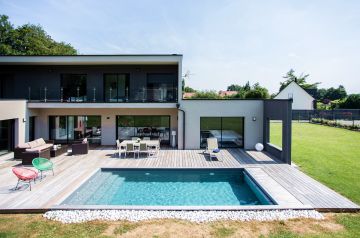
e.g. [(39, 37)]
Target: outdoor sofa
[(33, 149), (80, 148)]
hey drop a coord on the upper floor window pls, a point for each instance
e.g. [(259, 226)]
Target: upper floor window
[(73, 87), (116, 87), (161, 87)]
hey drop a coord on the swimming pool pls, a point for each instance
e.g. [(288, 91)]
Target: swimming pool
[(169, 187)]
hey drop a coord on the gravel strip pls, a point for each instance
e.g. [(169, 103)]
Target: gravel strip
[(77, 216)]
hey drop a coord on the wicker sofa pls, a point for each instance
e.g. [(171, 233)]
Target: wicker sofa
[(33, 149)]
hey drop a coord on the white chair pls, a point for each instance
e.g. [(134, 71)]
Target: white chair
[(120, 149)]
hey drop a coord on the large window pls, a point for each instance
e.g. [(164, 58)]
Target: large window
[(116, 87), (73, 87), (6, 136), (161, 87), (155, 127), (66, 129), (31, 128), (229, 131)]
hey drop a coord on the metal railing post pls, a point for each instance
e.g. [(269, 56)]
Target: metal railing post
[(94, 99)]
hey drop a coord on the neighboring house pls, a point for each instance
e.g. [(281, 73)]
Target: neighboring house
[(227, 93), (188, 95), (302, 100), (109, 97)]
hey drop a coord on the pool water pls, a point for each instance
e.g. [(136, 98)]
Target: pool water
[(170, 187)]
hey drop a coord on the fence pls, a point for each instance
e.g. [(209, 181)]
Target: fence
[(341, 116)]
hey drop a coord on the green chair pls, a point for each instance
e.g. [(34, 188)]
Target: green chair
[(42, 164)]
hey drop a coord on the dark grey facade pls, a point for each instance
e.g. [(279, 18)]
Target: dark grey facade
[(278, 110), (29, 81)]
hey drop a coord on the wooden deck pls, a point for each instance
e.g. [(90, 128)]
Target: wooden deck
[(71, 171)]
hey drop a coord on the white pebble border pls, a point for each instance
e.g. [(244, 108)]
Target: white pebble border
[(77, 216)]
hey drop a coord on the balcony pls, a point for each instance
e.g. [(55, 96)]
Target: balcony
[(95, 95)]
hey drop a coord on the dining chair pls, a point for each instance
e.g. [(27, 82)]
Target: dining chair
[(130, 149)]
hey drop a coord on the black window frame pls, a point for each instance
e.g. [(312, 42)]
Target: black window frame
[(134, 116), (221, 130), (127, 85), (84, 98), (68, 141)]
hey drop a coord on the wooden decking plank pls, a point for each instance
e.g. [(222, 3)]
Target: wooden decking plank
[(71, 171)]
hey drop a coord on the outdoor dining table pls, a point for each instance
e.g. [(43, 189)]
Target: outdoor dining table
[(150, 143)]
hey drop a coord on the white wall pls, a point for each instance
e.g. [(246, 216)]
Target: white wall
[(15, 109), (253, 130), (301, 99)]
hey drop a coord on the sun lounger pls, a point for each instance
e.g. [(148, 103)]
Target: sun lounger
[(212, 148)]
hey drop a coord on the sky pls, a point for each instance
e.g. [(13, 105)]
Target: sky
[(223, 42)]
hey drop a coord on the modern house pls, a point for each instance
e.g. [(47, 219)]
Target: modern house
[(302, 100), (109, 97)]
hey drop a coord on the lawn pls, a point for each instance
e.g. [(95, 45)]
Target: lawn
[(29, 225), (330, 155)]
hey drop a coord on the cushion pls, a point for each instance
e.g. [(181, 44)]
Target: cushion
[(216, 150), (32, 144), (39, 148), (84, 141), (33, 150), (40, 141), (24, 146)]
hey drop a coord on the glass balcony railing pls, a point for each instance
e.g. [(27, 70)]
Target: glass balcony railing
[(110, 95)]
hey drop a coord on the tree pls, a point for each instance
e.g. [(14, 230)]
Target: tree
[(234, 87), (188, 89), (257, 92), (320, 94), (351, 102), (237, 87), (300, 80), (335, 93), (29, 39), (206, 95)]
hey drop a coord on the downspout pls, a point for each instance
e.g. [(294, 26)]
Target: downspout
[(178, 107)]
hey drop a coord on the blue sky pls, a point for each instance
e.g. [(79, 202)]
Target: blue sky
[(223, 42)]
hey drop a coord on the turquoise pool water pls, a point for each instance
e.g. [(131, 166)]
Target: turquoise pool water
[(175, 187)]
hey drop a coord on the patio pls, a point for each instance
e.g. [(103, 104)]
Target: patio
[(297, 189)]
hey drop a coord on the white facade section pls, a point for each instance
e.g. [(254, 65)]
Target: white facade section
[(249, 109), (15, 109), (301, 99)]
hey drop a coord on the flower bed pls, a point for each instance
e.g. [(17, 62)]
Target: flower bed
[(334, 123)]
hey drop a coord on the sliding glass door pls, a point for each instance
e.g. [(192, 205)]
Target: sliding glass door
[(155, 127), (7, 135), (116, 87), (73, 87), (229, 131), (67, 129)]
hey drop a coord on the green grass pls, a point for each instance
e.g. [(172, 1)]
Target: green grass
[(34, 225), (122, 229), (330, 155)]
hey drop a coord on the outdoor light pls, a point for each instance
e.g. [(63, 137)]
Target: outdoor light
[(259, 147), (254, 118), (24, 119)]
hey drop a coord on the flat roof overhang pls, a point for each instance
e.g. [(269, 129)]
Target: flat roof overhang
[(99, 105), (170, 59)]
